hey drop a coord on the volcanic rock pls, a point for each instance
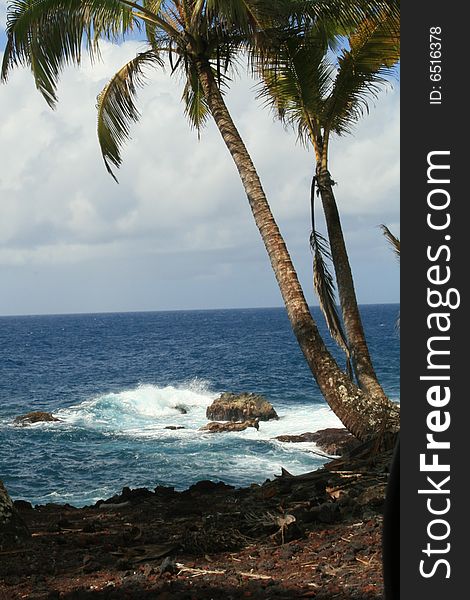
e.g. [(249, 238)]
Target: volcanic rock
[(240, 407), (205, 486), (308, 436), (333, 441), (373, 495), (12, 527), (22, 505), (35, 417), (216, 427)]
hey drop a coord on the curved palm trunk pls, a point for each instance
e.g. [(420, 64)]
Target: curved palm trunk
[(361, 359), (363, 415)]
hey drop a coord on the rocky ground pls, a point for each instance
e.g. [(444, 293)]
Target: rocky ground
[(312, 536)]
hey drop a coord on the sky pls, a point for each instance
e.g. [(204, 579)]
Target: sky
[(177, 231)]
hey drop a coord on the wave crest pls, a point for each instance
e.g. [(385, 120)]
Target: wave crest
[(143, 405)]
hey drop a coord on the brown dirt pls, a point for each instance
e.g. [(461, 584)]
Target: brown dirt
[(312, 536)]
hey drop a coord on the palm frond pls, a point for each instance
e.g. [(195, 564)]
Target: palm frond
[(297, 79), (247, 15), (376, 41), (151, 29), (253, 25), (116, 106), (224, 54), (363, 71), (394, 241), (196, 107), (346, 15), (47, 35), (325, 290)]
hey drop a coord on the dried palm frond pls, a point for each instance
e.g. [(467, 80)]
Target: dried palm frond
[(324, 286), (394, 241), (265, 519)]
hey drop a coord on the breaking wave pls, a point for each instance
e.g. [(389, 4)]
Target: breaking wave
[(144, 406)]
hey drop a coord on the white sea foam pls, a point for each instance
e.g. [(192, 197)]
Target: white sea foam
[(146, 407), (139, 417), (148, 410), (133, 423)]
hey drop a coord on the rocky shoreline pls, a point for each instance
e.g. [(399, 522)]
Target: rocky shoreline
[(314, 535)]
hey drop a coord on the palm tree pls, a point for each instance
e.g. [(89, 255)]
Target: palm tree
[(201, 39), (321, 97)]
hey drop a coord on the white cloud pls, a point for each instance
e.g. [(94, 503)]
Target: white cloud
[(366, 164), (176, 195)]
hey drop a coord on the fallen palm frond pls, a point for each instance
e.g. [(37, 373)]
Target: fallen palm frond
[(195, 572)]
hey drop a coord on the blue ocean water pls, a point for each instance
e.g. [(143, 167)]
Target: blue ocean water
[(116, 380)]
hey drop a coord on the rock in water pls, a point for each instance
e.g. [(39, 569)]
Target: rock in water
[(334, 440), (216, 427), (308, 436), (240, 407), (35, 417)]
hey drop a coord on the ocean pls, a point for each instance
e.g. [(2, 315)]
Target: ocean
[(115, 381)]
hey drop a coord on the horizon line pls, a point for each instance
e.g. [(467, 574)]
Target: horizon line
[(170, 310)]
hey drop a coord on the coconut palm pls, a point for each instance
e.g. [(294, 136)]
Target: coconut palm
[(202, 40), (321, 96)]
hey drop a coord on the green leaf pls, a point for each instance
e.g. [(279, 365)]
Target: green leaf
[(116, 106), (297, 79), (196, 107), (364, 69), (47, 35)]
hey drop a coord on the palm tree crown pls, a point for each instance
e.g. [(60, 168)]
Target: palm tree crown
[(47, 35), (321, 82)]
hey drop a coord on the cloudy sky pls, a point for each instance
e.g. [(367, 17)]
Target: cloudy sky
[(177, 232)]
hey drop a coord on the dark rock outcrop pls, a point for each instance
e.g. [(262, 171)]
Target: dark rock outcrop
[(333, 441), (308, 436), (207, 486), (22, 505), (12, 527), (126, 497), (216, 427), (35, 417), (240, 407)]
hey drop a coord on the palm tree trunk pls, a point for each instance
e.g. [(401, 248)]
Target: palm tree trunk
[(361, 359), (361, 414)]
